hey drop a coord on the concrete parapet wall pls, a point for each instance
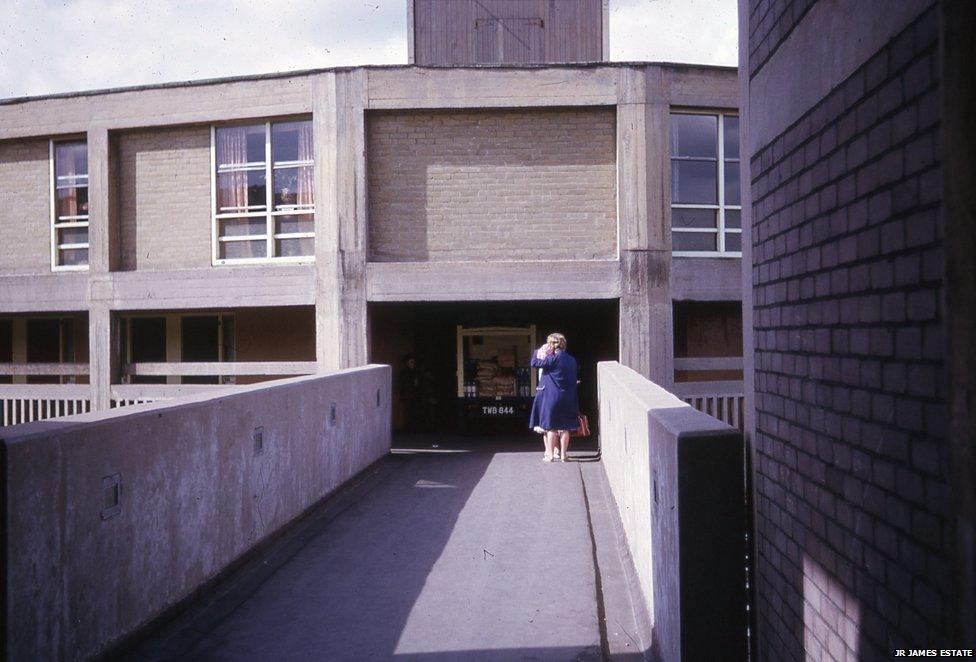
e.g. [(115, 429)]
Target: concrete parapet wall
[(677, 477), (196, 491)]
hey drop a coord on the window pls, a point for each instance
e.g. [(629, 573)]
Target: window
[(69, 205), (705, 203), (264, 198)]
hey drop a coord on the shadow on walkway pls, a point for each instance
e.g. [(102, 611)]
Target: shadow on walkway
[(483, 555)]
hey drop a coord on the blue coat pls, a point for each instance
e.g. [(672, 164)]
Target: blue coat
[(556, 404)]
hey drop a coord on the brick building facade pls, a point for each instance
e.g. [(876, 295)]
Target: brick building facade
[(860, 523), (220, 232)]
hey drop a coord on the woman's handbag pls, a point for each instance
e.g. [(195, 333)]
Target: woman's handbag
[(584, 427)]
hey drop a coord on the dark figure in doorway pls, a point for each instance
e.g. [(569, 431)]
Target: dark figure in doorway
[(556, 405), (408, 390)]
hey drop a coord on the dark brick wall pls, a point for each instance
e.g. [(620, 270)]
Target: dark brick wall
[(770, 23), (851, 459)]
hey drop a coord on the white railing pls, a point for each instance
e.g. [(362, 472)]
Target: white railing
[(24, 403), (723, 400)]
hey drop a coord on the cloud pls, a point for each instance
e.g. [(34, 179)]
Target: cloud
[(695, 31), (49, 46)]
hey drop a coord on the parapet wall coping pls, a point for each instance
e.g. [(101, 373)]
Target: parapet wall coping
[(674, 414), (25, 432)]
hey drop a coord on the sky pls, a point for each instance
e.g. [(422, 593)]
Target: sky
[(51, 46)]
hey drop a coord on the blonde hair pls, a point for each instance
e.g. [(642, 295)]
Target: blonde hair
[(557, 338)]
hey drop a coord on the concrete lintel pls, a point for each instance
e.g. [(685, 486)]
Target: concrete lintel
[(63, 292), (492, 281)]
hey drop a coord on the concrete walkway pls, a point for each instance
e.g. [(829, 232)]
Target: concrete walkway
[(433, 556)]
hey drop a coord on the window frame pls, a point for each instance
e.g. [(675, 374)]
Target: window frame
[(269, 213), (720, 207), (79, 221)]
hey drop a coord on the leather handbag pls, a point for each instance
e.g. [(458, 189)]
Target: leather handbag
[(584, 427)]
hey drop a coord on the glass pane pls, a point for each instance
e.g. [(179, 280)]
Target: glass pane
[(239, 250), (694, 182), (693, 218), (733, 218), (240, 227), (733, 241), (72, 236), (72, 257), (294, 187), (694, 135), (237, 145), (693, 241), (294, 247), (730, 137), (72, 201), (291, 141), (297, 223), (732, 183), (241, 190), (71, 159)]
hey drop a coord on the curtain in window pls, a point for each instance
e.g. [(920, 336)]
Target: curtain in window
[(306, 152), (232, 150)]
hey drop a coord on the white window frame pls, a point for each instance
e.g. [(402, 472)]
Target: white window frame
[(721, 207), (80, 221), (269, 213)]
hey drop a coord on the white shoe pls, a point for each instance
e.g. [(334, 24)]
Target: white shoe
[(546, 458), (555, 455)]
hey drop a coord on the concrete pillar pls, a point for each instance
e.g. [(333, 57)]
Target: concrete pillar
[(19, 346), (340, 220), (103, 329), (646, 327), (174, 344)]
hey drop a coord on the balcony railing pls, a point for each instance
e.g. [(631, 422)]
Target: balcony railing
[(24, 403), (721, 399)]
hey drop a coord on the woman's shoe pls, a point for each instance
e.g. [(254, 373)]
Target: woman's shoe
[(547, 458), (555, 455)]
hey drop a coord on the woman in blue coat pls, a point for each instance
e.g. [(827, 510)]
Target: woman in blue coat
[(556, 405)]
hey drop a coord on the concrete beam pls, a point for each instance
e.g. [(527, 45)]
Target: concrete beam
[(492, 281), (211, 287), (706, 279), (63, 292), (420, 87), (190, 103), (221, 368)]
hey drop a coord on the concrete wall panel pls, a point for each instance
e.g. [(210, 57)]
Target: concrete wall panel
[(195, 496)]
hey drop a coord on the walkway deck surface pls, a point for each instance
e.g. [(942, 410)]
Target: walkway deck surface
[(433, 556)]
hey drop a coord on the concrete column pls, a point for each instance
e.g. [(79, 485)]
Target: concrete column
[(19, 348), (646, 328), (174, 344), (103, 330), (340, 225)]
